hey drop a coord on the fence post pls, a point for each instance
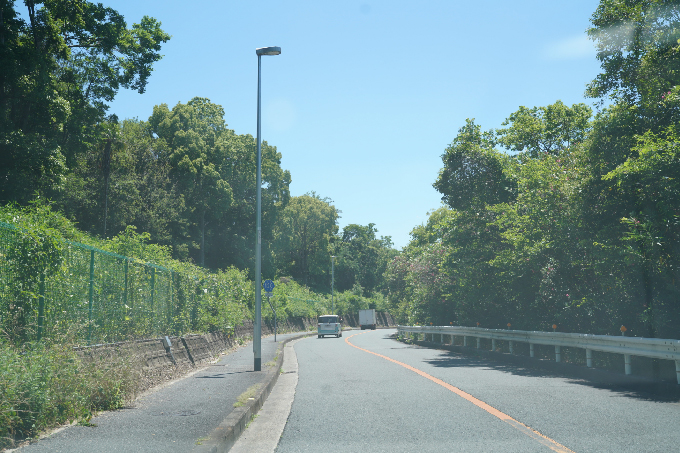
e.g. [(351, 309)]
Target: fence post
[(153, 290), (192, 291), (41, 306), (171, 307), (127, 261), (91, 299)]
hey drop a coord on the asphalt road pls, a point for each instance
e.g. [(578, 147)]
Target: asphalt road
[(348, 399)]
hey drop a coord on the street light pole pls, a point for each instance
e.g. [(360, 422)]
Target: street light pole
[(333, 282), (257, 327)]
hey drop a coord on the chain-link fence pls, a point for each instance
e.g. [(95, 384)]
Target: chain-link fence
[(51, 287)]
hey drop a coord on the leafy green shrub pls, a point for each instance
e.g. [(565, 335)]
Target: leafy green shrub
[(45, 385)]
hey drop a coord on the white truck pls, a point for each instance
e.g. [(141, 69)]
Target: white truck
[(367, 319)]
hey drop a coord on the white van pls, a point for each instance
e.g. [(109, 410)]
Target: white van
[(329, 325)]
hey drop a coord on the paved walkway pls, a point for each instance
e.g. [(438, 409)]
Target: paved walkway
[(178, 417)]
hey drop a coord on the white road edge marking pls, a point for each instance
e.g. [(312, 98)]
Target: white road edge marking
[(264, 432)]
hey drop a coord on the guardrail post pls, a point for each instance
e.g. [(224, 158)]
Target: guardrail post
[(464, 340), (479, 343), (626, 359), (531, 350), (589, 358), (558, 355), (677, 370), (512, 349), (493, 345)]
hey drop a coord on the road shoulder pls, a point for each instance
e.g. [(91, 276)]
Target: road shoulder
[(263, 434)]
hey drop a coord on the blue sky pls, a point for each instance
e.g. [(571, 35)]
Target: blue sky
[(366, 95)]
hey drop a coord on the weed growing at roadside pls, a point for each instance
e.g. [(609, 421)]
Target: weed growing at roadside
[(245, 396), (43, 385)]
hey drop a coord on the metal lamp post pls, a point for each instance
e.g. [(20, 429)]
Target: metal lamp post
[(257, 328), (333, 282)]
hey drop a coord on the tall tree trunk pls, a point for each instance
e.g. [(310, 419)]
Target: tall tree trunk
[(106, 169), (202, 256), (106, 201)]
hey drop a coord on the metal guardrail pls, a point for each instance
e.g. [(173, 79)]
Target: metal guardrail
[(655, 348)]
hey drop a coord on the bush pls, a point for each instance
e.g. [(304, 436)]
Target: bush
[(46, 385)]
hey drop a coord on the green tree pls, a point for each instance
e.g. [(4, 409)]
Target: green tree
[(637, 46), (362, 259), (302, 238), (473, 173), (197, 140), (140, 191), (60, 69), (651, 229), (234, 241), (548, 129)]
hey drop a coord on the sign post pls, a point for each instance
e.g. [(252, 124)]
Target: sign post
[(269, 288)]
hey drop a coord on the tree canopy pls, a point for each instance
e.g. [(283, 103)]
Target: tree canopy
[(60, 68)]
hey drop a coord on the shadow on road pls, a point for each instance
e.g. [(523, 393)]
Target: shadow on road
[(631, 386)]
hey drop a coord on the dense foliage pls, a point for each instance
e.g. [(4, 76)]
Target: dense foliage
[(560, 217), (43, 383), (59, 69), (181, 175)]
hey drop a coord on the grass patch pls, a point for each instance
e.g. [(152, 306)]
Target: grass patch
[(45, 385), (247, 395)]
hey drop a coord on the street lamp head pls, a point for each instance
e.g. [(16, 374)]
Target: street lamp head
[(268, 51)]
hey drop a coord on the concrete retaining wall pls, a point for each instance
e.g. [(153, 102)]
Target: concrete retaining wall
[(156, 360)]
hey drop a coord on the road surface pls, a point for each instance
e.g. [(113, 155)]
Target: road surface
[(368, 392)]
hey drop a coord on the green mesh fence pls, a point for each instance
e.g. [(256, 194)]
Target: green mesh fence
[(50, 288)]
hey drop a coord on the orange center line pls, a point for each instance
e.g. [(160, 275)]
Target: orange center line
[(524, 429)]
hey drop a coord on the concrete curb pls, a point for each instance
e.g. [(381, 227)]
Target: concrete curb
[(229, 430)]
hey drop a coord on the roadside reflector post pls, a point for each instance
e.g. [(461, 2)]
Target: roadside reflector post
[(677, 370), (479, 343), (531, 350), (558, 355), (464, 341), (512, 349), (589, 358), (493, 344), (626, 359)]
